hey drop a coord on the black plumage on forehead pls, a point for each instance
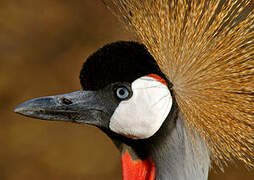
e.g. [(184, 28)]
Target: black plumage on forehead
[(117, 62)]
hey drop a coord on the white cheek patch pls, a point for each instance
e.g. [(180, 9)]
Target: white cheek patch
[(142, 115)]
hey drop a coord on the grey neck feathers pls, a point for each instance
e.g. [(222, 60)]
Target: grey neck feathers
[(177, 157)]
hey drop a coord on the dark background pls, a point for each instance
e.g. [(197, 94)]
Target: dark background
[(43, 44)]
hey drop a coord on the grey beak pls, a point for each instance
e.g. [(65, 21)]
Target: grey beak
[(79, 107)]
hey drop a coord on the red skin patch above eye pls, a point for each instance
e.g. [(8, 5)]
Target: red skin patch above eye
[(158, 78), (137, 169)]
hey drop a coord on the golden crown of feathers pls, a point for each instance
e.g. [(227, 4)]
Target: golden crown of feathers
[(206, 49)]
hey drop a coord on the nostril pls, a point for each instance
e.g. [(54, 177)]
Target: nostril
[(65, 101)]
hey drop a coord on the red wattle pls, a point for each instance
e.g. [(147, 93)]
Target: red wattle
[(137, 169), (158, 78)]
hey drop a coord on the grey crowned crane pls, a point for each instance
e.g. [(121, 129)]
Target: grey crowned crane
[(179, 98)]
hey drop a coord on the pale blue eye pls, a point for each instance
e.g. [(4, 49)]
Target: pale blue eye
[(122, 93)]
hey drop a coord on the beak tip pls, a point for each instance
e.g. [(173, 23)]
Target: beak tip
[(23, 109), (16, 110), (19, 109)]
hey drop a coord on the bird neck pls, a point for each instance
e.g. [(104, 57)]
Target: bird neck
[(172, 154), (179, 155)]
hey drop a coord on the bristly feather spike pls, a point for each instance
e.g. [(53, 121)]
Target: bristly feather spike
[(206, 49)]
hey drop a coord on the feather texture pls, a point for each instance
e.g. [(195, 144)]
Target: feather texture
[(206, 49)]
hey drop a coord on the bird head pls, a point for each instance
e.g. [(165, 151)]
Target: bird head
[(124, 94)]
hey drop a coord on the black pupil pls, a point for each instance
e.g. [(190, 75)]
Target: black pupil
[(121, 92)]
